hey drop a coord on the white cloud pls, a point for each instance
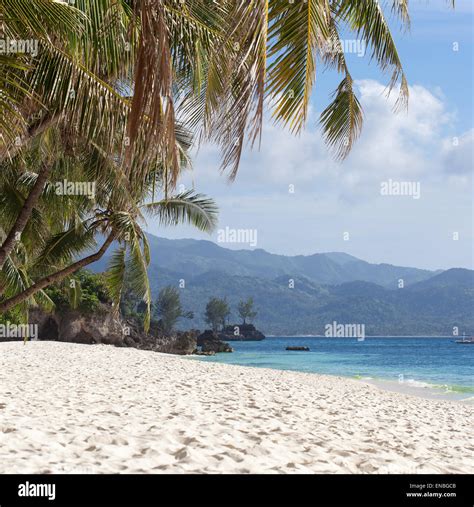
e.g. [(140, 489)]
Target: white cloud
[(331, 197), (458, 154)]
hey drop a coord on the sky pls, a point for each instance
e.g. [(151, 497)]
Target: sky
[(291, 197)]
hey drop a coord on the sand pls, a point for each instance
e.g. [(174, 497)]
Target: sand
[(69, 408)]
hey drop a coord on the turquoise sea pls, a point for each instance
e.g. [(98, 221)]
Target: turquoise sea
[(430, 367)]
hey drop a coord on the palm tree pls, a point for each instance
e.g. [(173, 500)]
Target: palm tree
[(212, 64), (69, 82), (120, 77), (64, 226), (227, 58)]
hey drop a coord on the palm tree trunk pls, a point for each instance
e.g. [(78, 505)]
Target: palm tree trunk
[(56, 277), (25, 214)]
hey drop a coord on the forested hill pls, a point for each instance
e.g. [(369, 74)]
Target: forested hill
[(301, 294)]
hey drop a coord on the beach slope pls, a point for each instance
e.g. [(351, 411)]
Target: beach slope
[(69, 408)]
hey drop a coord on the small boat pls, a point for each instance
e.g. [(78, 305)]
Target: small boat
[(303, 349), (466, 340)]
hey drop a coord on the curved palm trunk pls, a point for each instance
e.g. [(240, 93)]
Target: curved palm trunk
[(55, 277), (25, 214)]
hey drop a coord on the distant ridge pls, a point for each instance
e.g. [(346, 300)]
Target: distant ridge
[(194, 257), (326, 287), (454, 276)]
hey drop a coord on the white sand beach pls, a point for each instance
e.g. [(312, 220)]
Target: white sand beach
[(69, 408)]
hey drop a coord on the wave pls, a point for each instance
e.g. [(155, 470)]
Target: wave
[(420, 384)]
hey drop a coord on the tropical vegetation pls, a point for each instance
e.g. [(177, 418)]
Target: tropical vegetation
[(119, 90), (217, 311), (169, 309), (246, 310)]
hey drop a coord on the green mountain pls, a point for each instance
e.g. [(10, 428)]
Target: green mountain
[(190, 258), (301, 294)]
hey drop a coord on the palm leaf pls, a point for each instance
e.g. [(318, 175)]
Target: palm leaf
[(40, 18), (367, 19), (342, 119), (74, 292), (296, 31), (115, 275), (186, 207), (44, 301), (66, 245), (137, 269)]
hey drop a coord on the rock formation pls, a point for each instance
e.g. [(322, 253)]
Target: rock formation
[(241, 332), (104, 327), (211, 342)]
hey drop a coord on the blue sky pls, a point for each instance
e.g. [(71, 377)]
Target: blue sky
[(339, 206)]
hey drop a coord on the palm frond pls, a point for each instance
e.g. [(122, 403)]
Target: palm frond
[(342, 119), (137, 268), (115, 276), (401, 9), (11, 280), (40, 18), (367, 19), (44, 301), (186, 207), (153, 96), (296, 31), (74, 292), (129, 234), (64, 246)]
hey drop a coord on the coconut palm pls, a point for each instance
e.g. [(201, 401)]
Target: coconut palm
[(63, 227), (227, 59), (65, 83), (210, 63), (121, 76)]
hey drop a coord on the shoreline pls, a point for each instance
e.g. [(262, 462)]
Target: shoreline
[(423, 390), (69, 408), (430, 384), (410, 387), (352, 337)]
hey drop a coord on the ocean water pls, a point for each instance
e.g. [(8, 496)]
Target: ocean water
[(430, 367)]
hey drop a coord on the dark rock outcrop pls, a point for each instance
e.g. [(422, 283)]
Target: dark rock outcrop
[(211, 342), (241, 332), (105, 327), (181, 343), (72, 326), (98, 327)]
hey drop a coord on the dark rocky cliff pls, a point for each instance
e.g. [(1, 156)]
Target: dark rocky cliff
[(105, 327)]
